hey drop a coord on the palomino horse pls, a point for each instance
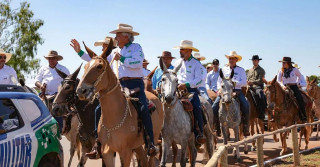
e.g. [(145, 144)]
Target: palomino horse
[(67, 104), (285, 112), (229, 112), (314, 92), (118, 127)]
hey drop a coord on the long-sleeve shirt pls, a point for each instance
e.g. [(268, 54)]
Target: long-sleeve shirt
[(255, 76), (157, 77), (191, 72), (6, 73), (204, 77), (212, 80), (239, 77), (294, 78), (50, 76), (303, 82)]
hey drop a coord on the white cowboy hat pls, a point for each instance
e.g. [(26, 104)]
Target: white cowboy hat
[(124, 28), (197, 56), (186, 44), (53, 53), (8, 55), (234, 54), (105, 41), (296, 66)]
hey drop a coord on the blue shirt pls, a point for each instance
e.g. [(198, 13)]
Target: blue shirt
[(212, 80), (157, 77)]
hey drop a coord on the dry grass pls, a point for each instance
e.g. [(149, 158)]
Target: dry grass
[(309, 160)]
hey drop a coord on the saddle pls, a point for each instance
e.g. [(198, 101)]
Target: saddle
[(289, 96)]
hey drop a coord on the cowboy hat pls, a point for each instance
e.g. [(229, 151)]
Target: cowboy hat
[(197, 56), (234, 54), (145, 61), (125, 28), (8, 55), (53, 53), (166, 54), (105, 41), (286, 60), (186, 44), (296, 66), (209, 65), (255, 57)]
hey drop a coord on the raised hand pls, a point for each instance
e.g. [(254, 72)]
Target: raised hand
[(75, 44)]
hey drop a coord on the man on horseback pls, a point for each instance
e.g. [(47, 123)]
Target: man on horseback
[(167, 59), (190, 78), (202, 87), (131, 75), (48, 80), (6, 72), (289, 78), (256, 82), (240, 80)]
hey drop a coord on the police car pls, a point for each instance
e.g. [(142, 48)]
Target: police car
[(29, 135)]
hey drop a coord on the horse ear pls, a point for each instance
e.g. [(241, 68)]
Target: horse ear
[(307, 79), (232, 74), (21, 81), (221, 74), (274, 80), (106, 52), (61, 74), (90, 52), (75, 74), (162, 65), (314, 81), (176, 69), (150, 75)]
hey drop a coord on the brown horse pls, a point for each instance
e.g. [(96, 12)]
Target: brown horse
[(285, 112), (118, 128), (314, 92)]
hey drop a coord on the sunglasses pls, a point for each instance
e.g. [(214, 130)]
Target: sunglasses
[(4, 57), (215, 63)]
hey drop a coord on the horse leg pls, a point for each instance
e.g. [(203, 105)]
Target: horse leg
[(283, 137), (125, 158), (209, 144), (192, 152), (165, 151), (72, 151), (108, 156), (308, 130), (253, 148), (175, 153), (302, 131), (224, 133), (236, 152), (183, 159), (141, 158)]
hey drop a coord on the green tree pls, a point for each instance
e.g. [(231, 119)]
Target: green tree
[(312, 77), (19, 35)]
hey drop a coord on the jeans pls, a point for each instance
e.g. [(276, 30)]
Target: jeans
[(297, 94), (197, 112), (204, 93), (97, 112), (260, 101), (143, 113)]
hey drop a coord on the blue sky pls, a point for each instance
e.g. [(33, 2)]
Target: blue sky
[(269, 28)]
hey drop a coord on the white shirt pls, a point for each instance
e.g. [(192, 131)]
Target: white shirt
[(204, 77), (239, 77), (294, 78), (146, 72), (50, 76), (302, 82), (191, 72), (212, 80), (5, 75)]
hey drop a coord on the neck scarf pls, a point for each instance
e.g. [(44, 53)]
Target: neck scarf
[(287, 72)]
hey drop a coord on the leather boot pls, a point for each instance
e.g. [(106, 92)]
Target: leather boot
[(246, 130), (200, 139), (96, 151), (153, 150)]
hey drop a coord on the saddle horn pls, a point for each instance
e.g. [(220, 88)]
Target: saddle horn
[(90, 52), (60, 73)]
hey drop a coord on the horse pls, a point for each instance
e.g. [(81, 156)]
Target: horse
[(229, 112), (118, 127), (313, 91), (68, 105), (285, 112)]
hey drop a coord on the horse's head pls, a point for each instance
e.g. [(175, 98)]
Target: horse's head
[(66, 93), (169, 84), (311, 86), (227, 87), (271, 93), (97, 75)]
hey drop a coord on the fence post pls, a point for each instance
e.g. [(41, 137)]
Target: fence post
[(295, 146), (260, 154), (224, 158)]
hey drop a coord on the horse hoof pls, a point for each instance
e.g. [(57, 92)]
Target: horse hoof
[(245, 152), (253, 148), (239, 160), (306, 147)]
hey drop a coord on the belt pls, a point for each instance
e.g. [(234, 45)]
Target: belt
[(291, 84), (130, 78)]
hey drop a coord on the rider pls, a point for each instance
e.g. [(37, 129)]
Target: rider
[(256, 82), (190, 78), (131, 75), (290, 77), (48, 80), (167, 59), (146, 71), (6, 72), (211, 84), (240, 80)]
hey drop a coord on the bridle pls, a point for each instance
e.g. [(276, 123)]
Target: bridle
[(233, 86), (176, 91)]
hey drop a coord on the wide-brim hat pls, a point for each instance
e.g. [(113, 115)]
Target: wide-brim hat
[(8, 55), (255, 57), (296, 66), (186, 44), (145, 61), (166, 54), (234, 54), (53, 53), (209, 65), (105, 41), (286, 60), (125, 28), (197, 56)]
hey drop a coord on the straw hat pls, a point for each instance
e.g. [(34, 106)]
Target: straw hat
[(209, 65), (105, 41), (166, 54), (53, 53), (8, 55), (286, 60), (186, 44), (197, 56), (234, 54), (145, 61), (296, 66), (124, 28)]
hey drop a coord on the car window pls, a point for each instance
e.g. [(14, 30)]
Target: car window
[(10, 118), (31, 109)]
